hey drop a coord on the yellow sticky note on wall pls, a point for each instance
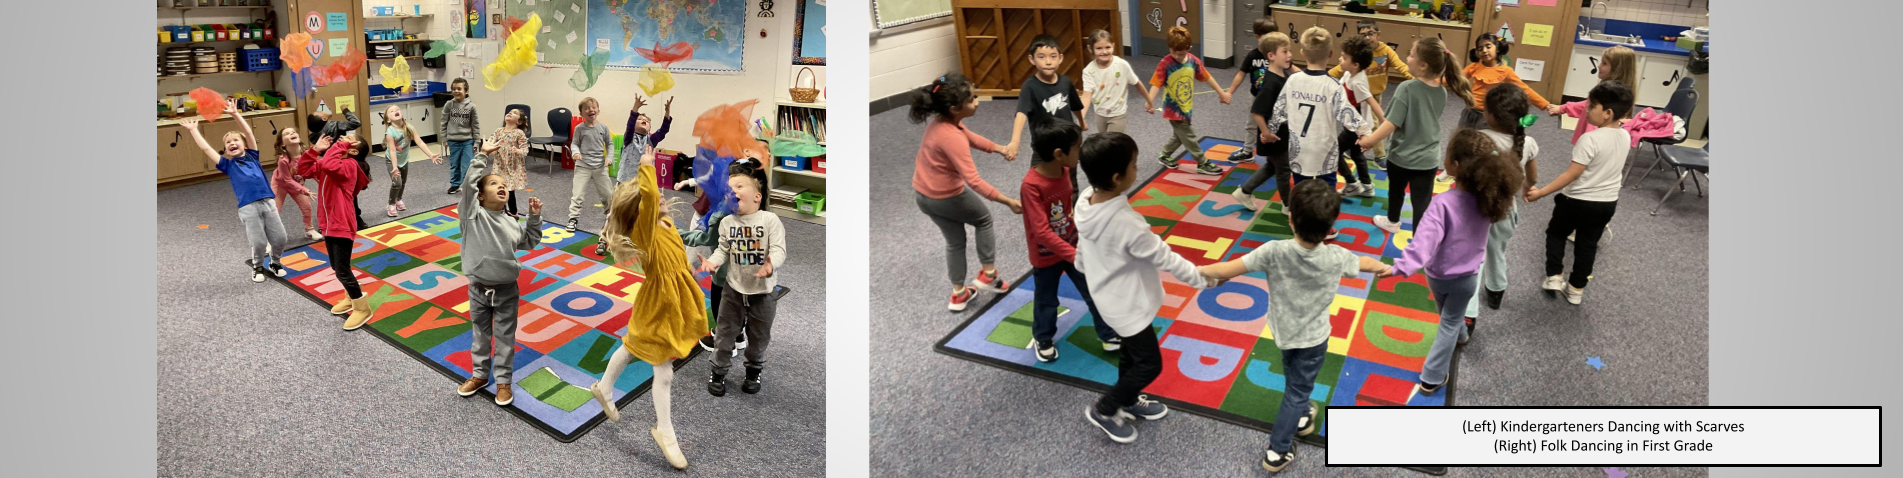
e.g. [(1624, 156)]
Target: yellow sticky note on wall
[(1539, 35), (347, 101)]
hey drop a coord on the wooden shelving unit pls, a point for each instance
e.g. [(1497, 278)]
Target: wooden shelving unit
[(778, 176), (179, 161)]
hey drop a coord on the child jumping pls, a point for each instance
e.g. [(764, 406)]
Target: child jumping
[(1180, 71), (1588, 191), (754, 242), (490, 238), (947, 187), (590, 144), (1106, 86), (1269, 143), (1052, 233), (339, 180), (397, 139), (285, 183), (1122, 261), (1304, 273), (239, 160), (1319, 105), (1452, 240), (1414, 121), (1507, 120), (459, 129), (668, 312)]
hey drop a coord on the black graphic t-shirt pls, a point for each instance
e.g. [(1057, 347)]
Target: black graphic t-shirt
[(1037, 99), (1256, 65)]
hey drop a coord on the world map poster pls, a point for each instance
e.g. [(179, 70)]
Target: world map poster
[(702, 36)]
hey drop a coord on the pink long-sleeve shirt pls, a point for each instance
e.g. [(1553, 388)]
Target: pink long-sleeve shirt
[(944, 165)]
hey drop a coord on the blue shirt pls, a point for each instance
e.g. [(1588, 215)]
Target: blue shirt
[(247, 177)]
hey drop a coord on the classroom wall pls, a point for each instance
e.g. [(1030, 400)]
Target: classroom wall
[(769, 72), (1664, 12), (910, 56), (1215, 32)]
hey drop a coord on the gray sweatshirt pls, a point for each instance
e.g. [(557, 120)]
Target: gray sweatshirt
[(747, 242), (490, 238), (591, 145), (458, 121)]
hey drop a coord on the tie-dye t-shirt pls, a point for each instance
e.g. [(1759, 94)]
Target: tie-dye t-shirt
[(1178, 81)]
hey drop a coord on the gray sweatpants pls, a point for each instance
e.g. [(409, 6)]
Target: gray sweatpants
[(951, 215), (1493, 271), (492, 314), (397, 184), (585, 178), (263, 230), (741, 311)]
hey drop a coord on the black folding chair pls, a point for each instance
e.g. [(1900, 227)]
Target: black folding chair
[(1691, 163), (558, 129)]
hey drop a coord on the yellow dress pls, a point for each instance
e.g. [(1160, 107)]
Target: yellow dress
[(668, 315)]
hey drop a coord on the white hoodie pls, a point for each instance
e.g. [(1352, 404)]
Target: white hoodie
[(1121, 259)]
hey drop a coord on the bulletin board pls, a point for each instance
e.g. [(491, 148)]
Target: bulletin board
[(892, 13), (809, 42), (564, 28)]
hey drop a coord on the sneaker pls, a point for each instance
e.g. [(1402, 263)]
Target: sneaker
[(313, 234), (277, 268), (1209, 168), (390, 210), (1247, 200), (504, 395), (707, 343), (1045, 352), (1305, 426), (989, 282), (1114, 344), (1425, 390), (1275, 462), (471, 386), (1366, 191), (400, 206), (1470, 332), (1574, 296), (1165, 161), (717, 385), (572, 223), (258, 273), (454, 190), (1386, 225), (751, 384), (1378, 164), (1332, 234), (1493, 298), (1241, 155), (962, 297), (1147, 409), (1118, 426), (1553, 283), (603, 397), (601, 249)]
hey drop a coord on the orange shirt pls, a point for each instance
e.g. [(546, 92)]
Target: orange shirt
[(1485, 78)]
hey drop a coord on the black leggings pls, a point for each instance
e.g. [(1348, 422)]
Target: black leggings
[(511, 202), (1586, 218), (339, 250), (1348, 146), (1419, 183)]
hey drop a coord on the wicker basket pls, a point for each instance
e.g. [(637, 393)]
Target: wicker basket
[(804, 95)]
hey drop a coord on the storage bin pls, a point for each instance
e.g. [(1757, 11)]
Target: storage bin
[(793, 163), (384, 11), (819, 164), (259, 59), (811, 203)]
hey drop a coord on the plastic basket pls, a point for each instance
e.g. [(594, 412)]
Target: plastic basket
[(811, 203), (259, 59), (794, 163), (819, 164)]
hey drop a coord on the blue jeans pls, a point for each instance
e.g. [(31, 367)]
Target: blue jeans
[(1300, 367), (1044, 302), (1452, 296), (460, 152)]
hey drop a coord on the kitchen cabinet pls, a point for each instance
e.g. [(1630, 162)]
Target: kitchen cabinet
[(1582, 73), (1659, 75), (178, 155)]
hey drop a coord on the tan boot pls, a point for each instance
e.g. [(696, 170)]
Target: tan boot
[(359, 312), (342, 307), (670, 448)]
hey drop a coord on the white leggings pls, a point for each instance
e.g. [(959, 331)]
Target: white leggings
[(663, 386)]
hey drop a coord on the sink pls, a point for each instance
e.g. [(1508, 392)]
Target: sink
[(1618, 39)]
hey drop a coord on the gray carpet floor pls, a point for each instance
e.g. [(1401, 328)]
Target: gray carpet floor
[(1644, 315), (256, 380)]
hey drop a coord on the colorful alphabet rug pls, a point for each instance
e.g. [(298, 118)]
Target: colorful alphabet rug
[(1219, 357), (573, 311)]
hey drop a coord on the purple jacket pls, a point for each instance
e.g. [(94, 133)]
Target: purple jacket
[(1451, 239)]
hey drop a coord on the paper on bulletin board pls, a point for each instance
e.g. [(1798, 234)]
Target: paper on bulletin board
[(469, 70), (1529, 70), (338, 46), (1542, 3), (347, 102), (1508, 3), (1539, 35), (336, 21)]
